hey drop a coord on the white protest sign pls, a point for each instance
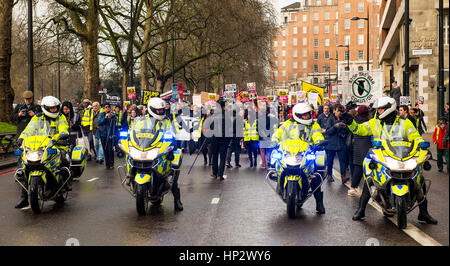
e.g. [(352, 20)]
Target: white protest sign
[(363, 87)]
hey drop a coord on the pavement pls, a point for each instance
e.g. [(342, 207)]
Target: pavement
[(240, 210)]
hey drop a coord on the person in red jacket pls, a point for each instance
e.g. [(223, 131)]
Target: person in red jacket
[(438, 138)]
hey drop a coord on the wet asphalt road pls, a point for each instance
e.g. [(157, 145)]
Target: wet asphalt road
[(100, 212)]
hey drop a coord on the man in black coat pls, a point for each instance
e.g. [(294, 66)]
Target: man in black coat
[(396, 92), (220, 140), (23, 112)]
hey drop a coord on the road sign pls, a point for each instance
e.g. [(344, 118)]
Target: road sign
[(405, 100), (102, 91), (422, 52)]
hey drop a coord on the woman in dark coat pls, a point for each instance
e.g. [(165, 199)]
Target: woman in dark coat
[(74, 121), (361, 146)]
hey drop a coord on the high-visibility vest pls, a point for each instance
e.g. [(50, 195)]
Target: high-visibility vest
[(251, 133), (119, 116), (88, 117)]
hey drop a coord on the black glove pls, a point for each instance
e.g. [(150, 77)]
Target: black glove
[(347, 118), (351, 105)]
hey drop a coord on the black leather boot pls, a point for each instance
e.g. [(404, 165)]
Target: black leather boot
[(176, 199), (23, 202), (424, 216), (361, 212), (320, 208)]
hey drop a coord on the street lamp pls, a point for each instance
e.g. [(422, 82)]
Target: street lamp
[(368, 32), (30, 47), (337, 65), (348, 58)]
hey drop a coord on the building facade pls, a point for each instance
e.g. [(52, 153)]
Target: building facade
[(423, 54), (311, 42)]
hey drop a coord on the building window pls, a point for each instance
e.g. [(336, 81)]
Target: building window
[(275, 53), (327, 42), (283, 63), (305, 41), (360, 39), (316, 68), (315, 80), (276, 63), (295, 53), (283, 43), (294, 76), (327, 68), (337, 55), (347, 24), (347, 8), (285, 20), (346, 57), (329, 2), (327, 54), (360, 68), (361, 7), (283, 33), (316, 16), (305, 64), (294, 30), (378, 42), (336, 28), (304, 18), (327, 28), (316, 42), (294, 65), (304, 30), (283, 83), (316, 29), (318, 3), (305, 53), (327, 15), (360, 54), (275, 73), (316, 55), (360, 24), (283, 53), (337, 15), (347, 40), (283, 73), (275, 44), (294, 41)]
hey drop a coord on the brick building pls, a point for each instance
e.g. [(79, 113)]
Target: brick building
[(306, 45)]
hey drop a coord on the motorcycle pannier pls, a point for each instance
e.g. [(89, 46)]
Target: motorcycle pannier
[(321, 160), (78, 160)]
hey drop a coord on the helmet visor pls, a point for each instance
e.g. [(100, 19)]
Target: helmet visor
[(159, 111), (304, 116)]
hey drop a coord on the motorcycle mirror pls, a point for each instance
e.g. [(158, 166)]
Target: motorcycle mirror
[(63, 136), (376, 143)]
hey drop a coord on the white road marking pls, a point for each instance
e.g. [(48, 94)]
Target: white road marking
[(414, 232), (92, 179), (215, 200)]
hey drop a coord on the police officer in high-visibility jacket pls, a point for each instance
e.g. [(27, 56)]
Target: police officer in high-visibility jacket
[(251, 137), (57, 126), (301, 126), (386, 116), (86, 124)]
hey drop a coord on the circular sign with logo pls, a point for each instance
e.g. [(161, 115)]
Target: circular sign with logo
[(361, 87)]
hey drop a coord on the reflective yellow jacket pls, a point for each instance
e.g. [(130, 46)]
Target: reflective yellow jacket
[(291, 130)]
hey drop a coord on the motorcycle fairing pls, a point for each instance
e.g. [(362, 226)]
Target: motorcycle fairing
[(178, 158), (142, 178), (37, 173), (399, 190)]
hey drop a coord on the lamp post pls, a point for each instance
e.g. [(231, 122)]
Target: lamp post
[(337, 66), (30, 47), (368, 34), (441, 88), (348, 58)]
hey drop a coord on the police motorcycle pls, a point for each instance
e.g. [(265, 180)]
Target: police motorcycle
[(152, 162), (393, 171), (42, 166), (298, 164)]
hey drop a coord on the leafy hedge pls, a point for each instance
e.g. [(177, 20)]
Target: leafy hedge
[(7, 128)]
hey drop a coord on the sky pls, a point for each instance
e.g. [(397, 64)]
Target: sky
[(278, 4)]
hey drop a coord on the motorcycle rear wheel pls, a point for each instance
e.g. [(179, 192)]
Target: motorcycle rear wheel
[(36, 194)]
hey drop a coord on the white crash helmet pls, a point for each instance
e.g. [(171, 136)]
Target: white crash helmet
[(298, 110), (48, 102), (156, 108), (386, 103)]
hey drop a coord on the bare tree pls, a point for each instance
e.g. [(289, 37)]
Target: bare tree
[(6, 92)]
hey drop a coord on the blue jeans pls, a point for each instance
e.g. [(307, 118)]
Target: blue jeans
[(98, 148)]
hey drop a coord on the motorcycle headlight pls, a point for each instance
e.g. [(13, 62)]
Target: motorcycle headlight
[(292, 160), (34, 156), (277, 155), (150, 155), (401, 166)]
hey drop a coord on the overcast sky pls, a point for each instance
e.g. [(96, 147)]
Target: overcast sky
[(278, 4)]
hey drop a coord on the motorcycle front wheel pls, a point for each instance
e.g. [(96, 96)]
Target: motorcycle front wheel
[(141, 198), (36, 194), (400, 205)]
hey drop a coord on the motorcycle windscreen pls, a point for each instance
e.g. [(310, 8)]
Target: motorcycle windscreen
[(395, 142), (294, 146), (36, 134), (146, 133)]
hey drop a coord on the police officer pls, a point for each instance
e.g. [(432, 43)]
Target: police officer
[(386, 115), (156, 110), (301, 126), (58, 127)]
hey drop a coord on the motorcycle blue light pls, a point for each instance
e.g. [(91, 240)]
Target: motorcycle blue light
[(51, 151), (425, 145), (376, 143), (17, 152), (123, 134), (168, 136)]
